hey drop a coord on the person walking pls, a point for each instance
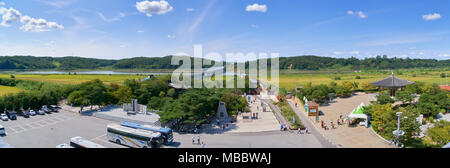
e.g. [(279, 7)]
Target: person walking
[(198, 140), (306, 130), (193, 139), (203, 145), (281, 127), (299, 131)]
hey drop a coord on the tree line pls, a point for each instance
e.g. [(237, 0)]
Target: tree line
[(308, 62)]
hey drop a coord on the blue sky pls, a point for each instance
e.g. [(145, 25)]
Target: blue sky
[(130, 28)]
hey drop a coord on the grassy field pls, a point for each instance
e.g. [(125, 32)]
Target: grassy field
[(291, 80), (288, 80), (7, 89), (73, 79)]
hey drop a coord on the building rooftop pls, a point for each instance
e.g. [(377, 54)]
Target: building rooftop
[(392, 82)]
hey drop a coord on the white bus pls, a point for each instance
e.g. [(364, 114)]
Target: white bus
[(80, 142), (132, 137), (166, 133)]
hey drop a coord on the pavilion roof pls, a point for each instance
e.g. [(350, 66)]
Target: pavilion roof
[(392, 82)]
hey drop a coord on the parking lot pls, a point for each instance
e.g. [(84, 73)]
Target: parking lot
[(50, 130)]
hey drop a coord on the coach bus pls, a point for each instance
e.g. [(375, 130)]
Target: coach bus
[(132, 137), (80, 142), (166, 133)]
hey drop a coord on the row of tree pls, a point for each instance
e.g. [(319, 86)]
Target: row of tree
[(298, 62)]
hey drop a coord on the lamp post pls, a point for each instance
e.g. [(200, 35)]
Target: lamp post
[(398, 133)]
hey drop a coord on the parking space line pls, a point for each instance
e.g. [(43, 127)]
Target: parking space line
[(26, 127), (57, 119), (10, 129), (42, 122), (104, 135), (50, 121)]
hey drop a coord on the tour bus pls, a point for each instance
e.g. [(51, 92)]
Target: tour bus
[(80, 142), (135, 138), (167, 134)]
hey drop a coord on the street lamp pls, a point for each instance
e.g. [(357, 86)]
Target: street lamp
[(398, 133)]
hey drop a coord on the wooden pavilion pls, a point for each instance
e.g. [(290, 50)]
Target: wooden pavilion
[(393, 83)]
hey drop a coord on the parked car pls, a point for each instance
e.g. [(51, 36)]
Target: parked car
[(2, 130), (11, 115), (26, 114), (46, 109), (32, 112), (54, 108), (4, 117), (40, 112)]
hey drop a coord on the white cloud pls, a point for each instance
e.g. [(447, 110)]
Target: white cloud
[(140, 31), (360, 14), (153, 7), (9, 16), (2, 3), (29, 24), (181, 54), (171, 36), (355, 52), (338, 53), (444, 55), (38, 25), (430, 17), (256, 8), (190, 9), (254, 26)]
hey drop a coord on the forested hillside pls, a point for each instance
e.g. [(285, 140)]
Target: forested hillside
[(296, 63)]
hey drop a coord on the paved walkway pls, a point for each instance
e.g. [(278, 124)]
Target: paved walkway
[(322, 140), (266, 121), (276, 112), (343, 135)]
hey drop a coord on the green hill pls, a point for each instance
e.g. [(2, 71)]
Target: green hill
[(309, 62)]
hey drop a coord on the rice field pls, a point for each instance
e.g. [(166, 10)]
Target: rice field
[(292, 80), (73, 79), (7, 89)]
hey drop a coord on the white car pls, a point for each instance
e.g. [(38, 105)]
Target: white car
[(2, 130), (4, 117), (40, 112), (32, 112)]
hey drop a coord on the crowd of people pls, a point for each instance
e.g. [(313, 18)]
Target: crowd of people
[(339, 122)]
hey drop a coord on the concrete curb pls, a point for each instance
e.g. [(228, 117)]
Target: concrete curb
[(379, 136)]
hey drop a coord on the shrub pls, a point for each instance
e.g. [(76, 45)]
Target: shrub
[(384, 99)]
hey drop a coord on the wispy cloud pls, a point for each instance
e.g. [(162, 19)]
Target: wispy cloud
[(57, 3), (360, 14), (114, 19), (395, 42), (202, 16)]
